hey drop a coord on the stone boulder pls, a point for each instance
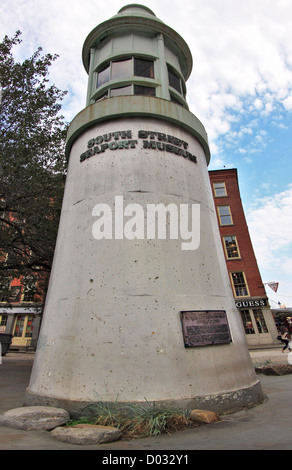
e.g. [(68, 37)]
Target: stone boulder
[(204, 416), (32, 418), (86, 434)]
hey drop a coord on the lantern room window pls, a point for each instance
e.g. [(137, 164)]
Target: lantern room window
[(125, 68)]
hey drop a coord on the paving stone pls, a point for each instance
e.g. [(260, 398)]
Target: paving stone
[(86, 434), (34, 418)]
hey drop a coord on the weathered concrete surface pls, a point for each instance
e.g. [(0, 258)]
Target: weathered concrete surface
[(117, 301)]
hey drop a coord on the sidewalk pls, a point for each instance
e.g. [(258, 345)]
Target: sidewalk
[(269, 355), (264, 427)]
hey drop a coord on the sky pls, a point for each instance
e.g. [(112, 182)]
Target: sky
[(240, 88)]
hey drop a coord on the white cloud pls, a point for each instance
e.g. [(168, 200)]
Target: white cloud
[(288, 103), (240, 49), (270, 226), (258, 104)]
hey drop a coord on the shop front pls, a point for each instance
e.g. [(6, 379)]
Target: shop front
[(23, 324), (258, 321)]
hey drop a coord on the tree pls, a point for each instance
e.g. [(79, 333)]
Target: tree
[(32, 163)]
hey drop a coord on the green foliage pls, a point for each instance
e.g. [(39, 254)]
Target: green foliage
[(135, 421), (32, 162)]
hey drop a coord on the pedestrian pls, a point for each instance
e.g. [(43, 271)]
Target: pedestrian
[(285, 338)]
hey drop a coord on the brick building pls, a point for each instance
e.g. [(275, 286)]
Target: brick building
[(245, 279), (20, 312)]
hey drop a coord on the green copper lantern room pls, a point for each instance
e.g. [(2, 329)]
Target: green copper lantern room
[(134, 53), (137, 66)]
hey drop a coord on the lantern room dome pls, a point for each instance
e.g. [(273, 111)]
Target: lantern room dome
[(136, 9)]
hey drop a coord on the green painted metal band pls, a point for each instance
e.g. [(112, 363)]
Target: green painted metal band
[(137, 106)]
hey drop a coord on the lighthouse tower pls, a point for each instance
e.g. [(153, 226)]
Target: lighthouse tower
[(139, 305)]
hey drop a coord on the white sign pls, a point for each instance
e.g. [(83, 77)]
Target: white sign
[(273, 286)]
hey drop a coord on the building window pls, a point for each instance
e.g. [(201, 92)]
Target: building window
[(175, 100), (103, 76), (121, 69), (28, 295), (125, 68), (3, 322), (247, 322), (122, 91), (143, 68), (174, 80), (225, 215), (220, 189), (29, 326), (23, 327), (239, 284), (29, 290), (260, 321), (231, 247), (102, 97), (144, 90), (129, 90), (19, 324), (248, 316)]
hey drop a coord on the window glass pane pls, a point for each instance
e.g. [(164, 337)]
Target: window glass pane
[(19, 326), (247, 322), (144, 90), (28, 295), (125, 90), (144, 68), (29, 290), (231, 247), (225, 215), (121, 69), (103, 76), (260, 321), (174, 80), (174, 100), (220, 189), (15, 293), (29, 327), (102, 97), (239, 284), (3, 322)]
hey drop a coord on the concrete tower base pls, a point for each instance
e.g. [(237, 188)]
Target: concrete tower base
[(117, 301), (221, 403)]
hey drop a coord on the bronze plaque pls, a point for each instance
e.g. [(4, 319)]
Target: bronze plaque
[(205, 327)]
